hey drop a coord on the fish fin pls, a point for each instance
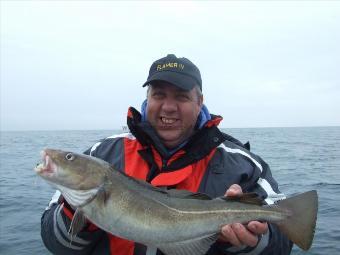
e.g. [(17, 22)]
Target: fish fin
[(180, 193), (102, 195), (77, 224), (200, 196), (197, 247), (300, 226), (248, 198)]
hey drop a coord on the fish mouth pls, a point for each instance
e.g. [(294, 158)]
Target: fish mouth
[(46, 168)]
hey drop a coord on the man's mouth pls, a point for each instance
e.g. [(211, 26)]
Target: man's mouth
[(168, 121)]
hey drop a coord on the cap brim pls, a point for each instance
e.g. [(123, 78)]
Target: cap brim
[(179, 80)]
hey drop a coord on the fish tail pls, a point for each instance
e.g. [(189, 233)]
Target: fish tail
[(300, 225)]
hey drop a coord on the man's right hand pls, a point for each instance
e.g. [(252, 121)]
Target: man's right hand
[(238, 234)]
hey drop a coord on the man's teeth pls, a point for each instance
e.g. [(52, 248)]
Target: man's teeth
[(167, 121)]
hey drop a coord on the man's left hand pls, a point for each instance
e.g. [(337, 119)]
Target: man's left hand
[(238, 234)]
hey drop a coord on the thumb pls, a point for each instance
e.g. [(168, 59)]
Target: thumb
[(234, 190)]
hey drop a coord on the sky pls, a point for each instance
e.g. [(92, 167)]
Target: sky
[(80, 64)]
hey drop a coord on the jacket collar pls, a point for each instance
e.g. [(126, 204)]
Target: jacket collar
[(197, 147)]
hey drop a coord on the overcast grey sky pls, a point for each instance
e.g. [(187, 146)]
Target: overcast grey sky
[(80, 64)]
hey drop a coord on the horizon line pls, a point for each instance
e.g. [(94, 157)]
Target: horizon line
[(125, 128)]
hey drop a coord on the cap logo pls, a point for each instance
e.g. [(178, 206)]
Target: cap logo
[(170, 65)]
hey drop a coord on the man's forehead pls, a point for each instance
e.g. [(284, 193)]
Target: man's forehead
[(166, 85)]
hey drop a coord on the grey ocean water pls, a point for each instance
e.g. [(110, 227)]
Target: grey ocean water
[(301, 159)]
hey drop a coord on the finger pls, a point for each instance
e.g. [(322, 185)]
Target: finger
[(244, 235), (230, 236), (234, 190), (258, 228), (222, 238)]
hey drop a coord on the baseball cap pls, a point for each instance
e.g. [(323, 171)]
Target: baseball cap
[(180, 72)]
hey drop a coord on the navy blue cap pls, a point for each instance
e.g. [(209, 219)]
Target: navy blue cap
[(180, 72)]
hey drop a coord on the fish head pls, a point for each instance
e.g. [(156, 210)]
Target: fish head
[(71, 170)]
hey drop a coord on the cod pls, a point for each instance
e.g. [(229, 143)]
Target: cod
[(174, 221)]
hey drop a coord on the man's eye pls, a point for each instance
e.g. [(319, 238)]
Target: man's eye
[(183, 97), (158, 95)]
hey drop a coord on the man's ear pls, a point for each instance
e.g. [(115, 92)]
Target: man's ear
[(200, 101)]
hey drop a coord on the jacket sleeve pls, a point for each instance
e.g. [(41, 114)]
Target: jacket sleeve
[(261, 182), (54, 230)]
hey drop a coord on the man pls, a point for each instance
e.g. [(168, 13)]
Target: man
[(175, 143)]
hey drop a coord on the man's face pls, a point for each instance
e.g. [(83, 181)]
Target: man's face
[(173, 112)]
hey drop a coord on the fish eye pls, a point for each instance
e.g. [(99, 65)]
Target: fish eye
[(69, 156)]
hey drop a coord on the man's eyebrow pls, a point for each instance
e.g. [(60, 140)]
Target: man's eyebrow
[(159, 86), (183, 91), (156, 89)]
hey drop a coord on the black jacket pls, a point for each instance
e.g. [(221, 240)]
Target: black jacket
[(218, 161)]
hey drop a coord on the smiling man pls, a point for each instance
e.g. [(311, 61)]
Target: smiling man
[(175, 143), (174, 99), (172, 112)]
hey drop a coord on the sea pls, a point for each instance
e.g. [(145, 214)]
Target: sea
[(301, 159)]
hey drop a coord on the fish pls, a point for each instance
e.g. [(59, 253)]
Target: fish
[(174, 221)]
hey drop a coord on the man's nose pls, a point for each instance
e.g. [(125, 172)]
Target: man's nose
[(169, 105)]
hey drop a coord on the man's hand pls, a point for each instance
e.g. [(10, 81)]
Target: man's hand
[(238, 234)]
